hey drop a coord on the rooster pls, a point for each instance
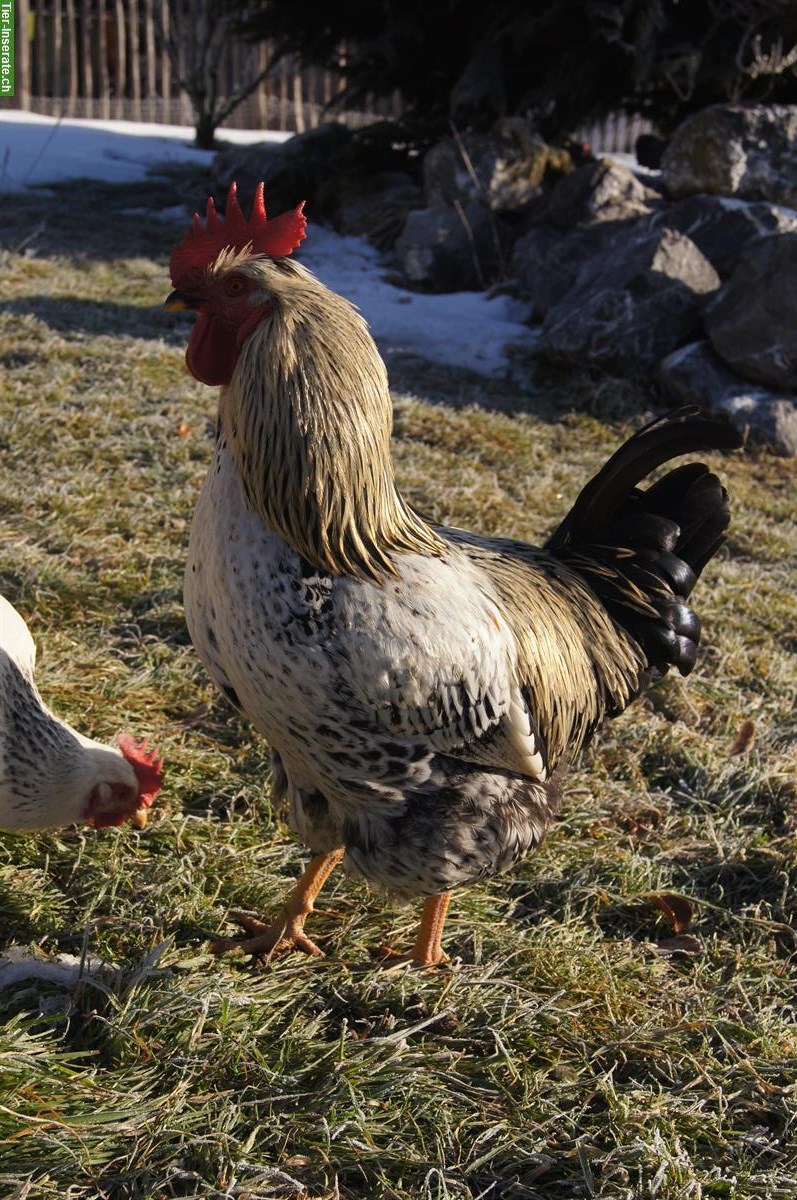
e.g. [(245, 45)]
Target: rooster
[(51, 775), (422, 688)]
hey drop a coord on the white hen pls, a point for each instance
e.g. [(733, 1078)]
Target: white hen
[(51, 775)]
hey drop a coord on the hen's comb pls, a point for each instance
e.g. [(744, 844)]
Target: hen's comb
[(203, 243), (147, 765)]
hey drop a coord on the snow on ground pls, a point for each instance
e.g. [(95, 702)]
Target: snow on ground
[(41, 150), (459, 329), (463, 329)]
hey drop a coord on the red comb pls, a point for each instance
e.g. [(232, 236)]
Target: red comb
[(147, 766), (203, 243)]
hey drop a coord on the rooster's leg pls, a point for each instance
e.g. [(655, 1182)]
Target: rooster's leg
[(287, 932), (428, 950)]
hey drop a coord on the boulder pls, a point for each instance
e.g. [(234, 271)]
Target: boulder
[(547, 262), (744, 150), (600, 191), (504, 169), (628, 310), (694, 375), (378, 208), (752, 323), (443, 249), (722, 227)]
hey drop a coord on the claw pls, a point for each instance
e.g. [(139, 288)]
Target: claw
[(390, 958), (266, 941)]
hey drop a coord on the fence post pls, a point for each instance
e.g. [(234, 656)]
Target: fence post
[(55, 42), (71, 45), (262, 91), (23, 54), (149, 49), (298, 104), (88, 57), (166, 64), (135, 60), (102, 59)]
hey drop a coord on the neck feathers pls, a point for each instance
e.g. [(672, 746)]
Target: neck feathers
[(308, 420)]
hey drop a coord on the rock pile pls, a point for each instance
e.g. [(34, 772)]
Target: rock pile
[(688, 275)]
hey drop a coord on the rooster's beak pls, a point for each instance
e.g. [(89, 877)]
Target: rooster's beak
[(181, 302)]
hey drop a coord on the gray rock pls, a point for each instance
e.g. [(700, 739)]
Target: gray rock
[(752, 323), (601, 191), (630, 309), (379, 208), (442, 249), (547, 262), (744, 150), (694, 375), (505, 169), (722, 227)]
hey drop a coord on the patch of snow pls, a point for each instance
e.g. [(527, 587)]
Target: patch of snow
[(459, 329), (42, 150), (630, 161), (463, 329)]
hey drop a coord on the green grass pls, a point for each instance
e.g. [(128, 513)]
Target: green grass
[(564, 1057)]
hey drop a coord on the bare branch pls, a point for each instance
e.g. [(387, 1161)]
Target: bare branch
[(775, 62)]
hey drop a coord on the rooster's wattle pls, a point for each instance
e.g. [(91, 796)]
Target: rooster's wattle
[(422, 687)]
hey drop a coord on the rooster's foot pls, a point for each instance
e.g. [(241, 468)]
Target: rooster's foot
[(265, 941), (389, 958)]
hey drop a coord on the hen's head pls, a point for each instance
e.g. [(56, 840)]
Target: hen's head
[(221, 271), (126, 782)]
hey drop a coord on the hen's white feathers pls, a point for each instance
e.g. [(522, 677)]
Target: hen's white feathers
[(50, 775)]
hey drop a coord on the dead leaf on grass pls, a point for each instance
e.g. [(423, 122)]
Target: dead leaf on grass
[(684, 943), (677, 909), (743, 742)]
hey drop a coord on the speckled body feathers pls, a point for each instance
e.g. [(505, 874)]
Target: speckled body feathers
[(422, 687)]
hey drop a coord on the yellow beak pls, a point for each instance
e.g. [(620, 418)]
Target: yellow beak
[(179, 302)]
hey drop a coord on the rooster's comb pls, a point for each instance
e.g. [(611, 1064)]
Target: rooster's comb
[(203, 243)]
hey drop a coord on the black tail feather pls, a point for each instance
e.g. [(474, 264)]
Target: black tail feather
[(643, 551)]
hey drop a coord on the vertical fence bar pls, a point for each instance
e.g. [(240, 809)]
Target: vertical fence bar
[(23, 54), (72, 59), (298, 103), (103, 29), (149, 50), (39, 50), (262, 91), (179, 26), (56, 44), (87, 57), (119, 58), (165, 63), (134, 73)]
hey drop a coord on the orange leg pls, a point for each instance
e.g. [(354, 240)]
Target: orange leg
[(427, 950), (287, 932)]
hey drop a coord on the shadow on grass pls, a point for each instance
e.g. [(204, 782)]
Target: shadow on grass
[(67, 314), (90, 219)]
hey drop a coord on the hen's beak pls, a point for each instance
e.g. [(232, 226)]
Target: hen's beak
[(181, 302)]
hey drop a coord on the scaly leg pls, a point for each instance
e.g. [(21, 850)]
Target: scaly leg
[(287, 932), (428, 950)]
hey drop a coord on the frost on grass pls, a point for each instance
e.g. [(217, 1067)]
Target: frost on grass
[(566, 1057)]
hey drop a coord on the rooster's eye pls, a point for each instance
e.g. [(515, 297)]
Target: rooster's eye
[(234, 286)]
